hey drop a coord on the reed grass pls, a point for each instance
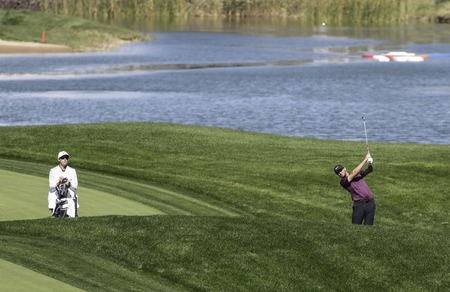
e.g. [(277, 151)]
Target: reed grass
[(363, 12)]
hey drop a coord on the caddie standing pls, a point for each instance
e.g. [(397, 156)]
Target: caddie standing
[(63, 174)]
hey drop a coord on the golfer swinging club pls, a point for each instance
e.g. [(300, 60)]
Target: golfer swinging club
[(363, 202)]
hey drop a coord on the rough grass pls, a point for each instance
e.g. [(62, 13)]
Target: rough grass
[(281, 222)]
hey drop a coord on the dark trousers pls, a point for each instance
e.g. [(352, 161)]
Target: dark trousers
[(363, 211)]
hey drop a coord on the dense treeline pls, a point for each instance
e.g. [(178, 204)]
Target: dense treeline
[(311, 11)]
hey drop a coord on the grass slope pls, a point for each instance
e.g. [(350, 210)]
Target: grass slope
[(76, 33), (270, 214)]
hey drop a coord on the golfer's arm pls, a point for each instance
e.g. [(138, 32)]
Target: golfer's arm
[(355, 171), (369, 169)]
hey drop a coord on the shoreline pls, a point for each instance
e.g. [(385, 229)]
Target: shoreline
[(16, 47)]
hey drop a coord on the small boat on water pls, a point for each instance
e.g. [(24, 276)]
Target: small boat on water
[(397, 57)]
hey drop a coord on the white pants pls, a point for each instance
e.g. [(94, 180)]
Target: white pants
[(53, 196)]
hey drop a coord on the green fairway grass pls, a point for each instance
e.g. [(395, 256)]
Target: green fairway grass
[(25, 197), (231, 211), (12, 279)]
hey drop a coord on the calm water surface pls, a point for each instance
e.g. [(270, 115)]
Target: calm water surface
[(307, 83)]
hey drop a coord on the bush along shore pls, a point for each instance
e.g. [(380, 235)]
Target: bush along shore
[(365, 12)]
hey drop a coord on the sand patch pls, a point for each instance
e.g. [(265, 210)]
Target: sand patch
[(13, 47)]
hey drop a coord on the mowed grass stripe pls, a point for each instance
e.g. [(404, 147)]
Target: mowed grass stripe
[(17, 278), (165, 201), (90, 271), (25, 197)]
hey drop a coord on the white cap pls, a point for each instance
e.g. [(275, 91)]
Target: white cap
[(61, 154)]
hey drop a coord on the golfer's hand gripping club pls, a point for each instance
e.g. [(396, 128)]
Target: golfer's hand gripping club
[(369, 158)]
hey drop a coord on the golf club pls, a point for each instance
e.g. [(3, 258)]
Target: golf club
[(365, 131)]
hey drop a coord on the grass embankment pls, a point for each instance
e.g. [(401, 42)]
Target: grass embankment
[(266, 212), (76, 33)]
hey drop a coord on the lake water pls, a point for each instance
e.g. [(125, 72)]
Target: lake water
[(306, 82)]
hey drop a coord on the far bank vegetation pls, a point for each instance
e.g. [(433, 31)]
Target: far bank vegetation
[(362, 12)]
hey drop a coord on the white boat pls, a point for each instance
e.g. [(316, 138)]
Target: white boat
[(397, 57), (381, 58), (408, 58), (398, 54)]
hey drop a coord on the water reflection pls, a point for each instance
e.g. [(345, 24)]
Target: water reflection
[(395, 34)]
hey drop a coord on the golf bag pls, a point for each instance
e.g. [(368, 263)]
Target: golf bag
[(64, 201)]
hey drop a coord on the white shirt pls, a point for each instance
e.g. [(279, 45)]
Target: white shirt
[(55, 174)]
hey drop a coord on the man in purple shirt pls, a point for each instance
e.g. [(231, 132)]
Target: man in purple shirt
[(363, 202)]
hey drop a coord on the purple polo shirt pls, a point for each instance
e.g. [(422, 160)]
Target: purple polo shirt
[(358, 188)]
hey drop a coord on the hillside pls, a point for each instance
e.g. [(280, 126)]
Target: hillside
[(236, 211), (68, 33)]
